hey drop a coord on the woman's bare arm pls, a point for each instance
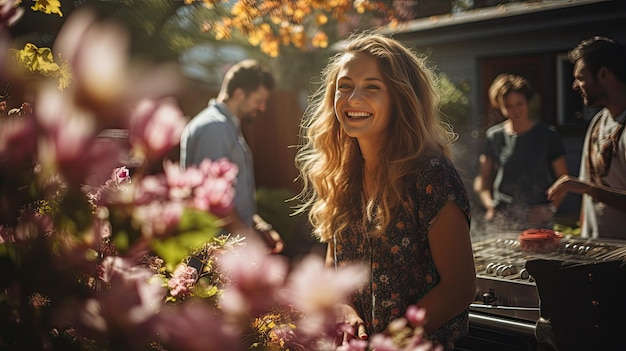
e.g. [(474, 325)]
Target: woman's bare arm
[(451, 248)]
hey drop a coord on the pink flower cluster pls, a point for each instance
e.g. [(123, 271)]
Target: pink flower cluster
[(182, 281), (83, 261), (159, 200), (129, 304), (108, 91), (210, 184), (152, 129), (297, 304), (120, 178), (260, 282)]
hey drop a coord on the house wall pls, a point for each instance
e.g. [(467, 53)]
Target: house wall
[(456, 50)]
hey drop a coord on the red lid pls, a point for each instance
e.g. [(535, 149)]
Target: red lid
[(539, 234)]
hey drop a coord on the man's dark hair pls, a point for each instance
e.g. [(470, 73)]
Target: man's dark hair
[(598, 52), (248, 75)]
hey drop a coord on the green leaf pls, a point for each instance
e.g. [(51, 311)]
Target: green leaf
[(194, 219), (205, 292), (176, 248), (195, 228), (121, 240)]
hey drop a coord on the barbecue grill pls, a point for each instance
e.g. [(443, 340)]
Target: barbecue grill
[(566, 299)]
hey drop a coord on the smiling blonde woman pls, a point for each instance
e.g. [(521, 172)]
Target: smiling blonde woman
[(380, 189)]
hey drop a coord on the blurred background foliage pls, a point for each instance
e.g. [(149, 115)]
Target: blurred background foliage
[(295, 36)]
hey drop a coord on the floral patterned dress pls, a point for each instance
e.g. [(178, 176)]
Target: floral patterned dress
[(402, 270)]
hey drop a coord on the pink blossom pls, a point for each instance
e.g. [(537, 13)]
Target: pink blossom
[(181, 182), (18, 141), (215, 196), (129, 306), (315, 290), (182, 281), (307, 290), (312, 286), (104, 78), (69, 128), (415, 315), (158, 218), (216, 193), (114, 191), (10, 12), (283, 332), (151, 188), (95, 163), (98, 54), (413, 342), (32, 224), (208, 187), (102, 228), (6, 234), (419, 343), (121, 176), (221, 168), (126, 276), (155, 127), (353, 345), (194, 326), (113, 265), (381, 342), (68, 142), (256, 280), (317, 326)]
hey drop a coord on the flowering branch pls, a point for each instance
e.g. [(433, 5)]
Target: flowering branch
[(99, 253)]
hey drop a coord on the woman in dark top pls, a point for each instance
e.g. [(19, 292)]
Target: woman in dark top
[(381, 190), (520, 161)]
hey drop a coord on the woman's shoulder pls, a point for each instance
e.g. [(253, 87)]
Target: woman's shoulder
[(435, 166), (434, 161), (437, 181)]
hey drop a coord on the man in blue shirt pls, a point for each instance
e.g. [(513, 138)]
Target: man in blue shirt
[(216, 133)]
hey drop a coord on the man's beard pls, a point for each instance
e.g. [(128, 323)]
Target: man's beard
[(591, 100), (249, 117)]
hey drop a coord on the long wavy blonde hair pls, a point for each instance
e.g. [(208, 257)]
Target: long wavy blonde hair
[(330, 162)]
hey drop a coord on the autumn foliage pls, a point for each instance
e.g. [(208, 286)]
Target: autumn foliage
[(272, 24)]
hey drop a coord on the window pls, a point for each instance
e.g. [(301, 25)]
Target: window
[(570, 107)]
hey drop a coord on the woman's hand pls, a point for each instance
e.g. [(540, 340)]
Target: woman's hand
[(347, 315)]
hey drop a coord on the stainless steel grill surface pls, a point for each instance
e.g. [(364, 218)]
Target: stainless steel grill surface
[(507, 296)]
